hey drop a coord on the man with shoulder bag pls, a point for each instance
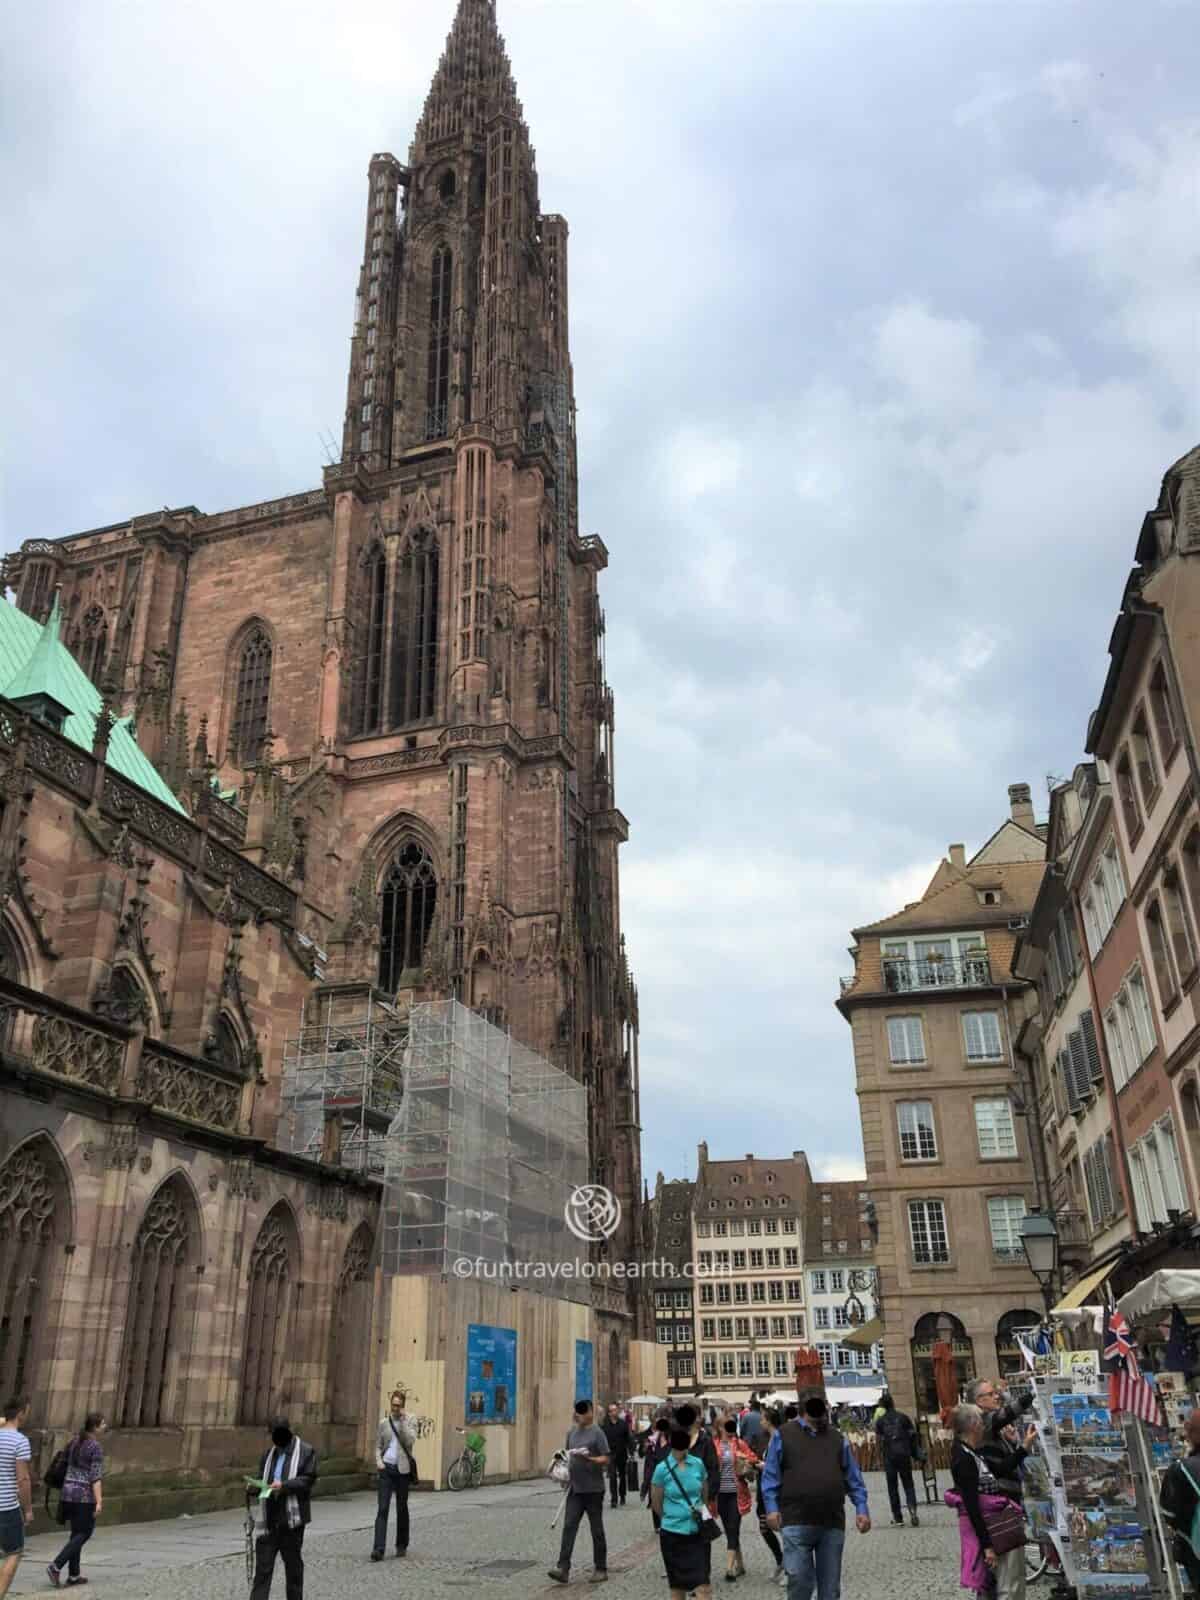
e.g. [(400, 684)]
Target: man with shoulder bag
[(397, 1473)]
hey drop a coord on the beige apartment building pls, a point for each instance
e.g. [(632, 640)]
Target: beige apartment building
[(934, 1007), (748, 1247)]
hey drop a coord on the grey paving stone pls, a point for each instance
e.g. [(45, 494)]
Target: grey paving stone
[(497, 1541)]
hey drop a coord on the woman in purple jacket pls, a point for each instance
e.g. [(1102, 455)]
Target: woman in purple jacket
[(82, 1498)]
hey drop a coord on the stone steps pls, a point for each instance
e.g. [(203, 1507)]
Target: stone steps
[(151, 1497)]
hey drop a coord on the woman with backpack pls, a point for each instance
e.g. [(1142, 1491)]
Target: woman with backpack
[(82, 1498)]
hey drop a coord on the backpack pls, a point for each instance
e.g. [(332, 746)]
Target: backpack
[(55, 1474)]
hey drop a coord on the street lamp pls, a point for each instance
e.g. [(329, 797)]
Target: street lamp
[(1039, 1239)]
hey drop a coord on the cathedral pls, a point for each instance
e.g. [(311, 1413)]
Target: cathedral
[(354, 742)]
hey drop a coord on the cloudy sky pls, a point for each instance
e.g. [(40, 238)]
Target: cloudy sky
[(885, 329)]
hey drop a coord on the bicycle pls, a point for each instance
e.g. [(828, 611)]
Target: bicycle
[(1042, 1557), (467, 1471)]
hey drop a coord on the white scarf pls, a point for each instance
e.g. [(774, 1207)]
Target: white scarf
[(292, 1503)]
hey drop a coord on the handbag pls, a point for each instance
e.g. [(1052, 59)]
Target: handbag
[(1005, 1522), (706, 1525), (413, 1475)]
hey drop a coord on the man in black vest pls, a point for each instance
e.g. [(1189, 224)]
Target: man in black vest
[(809, 1473)]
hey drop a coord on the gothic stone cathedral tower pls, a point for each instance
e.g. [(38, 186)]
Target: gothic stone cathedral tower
[(397, 681)]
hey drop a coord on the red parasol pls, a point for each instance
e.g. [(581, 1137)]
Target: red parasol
[(945, 1378), (809, 1378)]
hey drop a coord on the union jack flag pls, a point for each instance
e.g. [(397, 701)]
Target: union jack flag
[(1117, 1346), (1128, 1389)]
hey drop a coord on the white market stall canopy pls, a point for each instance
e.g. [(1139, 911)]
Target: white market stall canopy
[(1155, 1295), (857, 1394)]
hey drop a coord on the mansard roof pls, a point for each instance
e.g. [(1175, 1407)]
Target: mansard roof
[(33, 660), (952, 899)]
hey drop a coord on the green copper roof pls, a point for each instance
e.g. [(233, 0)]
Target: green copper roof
[(33, 660)]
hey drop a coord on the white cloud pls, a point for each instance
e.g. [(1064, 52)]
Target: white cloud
[(870, 409), (840, 1169)]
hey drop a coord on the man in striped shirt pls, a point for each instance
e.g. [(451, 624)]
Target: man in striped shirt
[(16, 1488)]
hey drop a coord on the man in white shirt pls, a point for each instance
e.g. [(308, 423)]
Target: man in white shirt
[(393, 1452), (16, 1488)]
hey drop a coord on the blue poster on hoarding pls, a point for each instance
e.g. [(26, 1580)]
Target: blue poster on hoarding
[(491, 1374), (585, 1369)]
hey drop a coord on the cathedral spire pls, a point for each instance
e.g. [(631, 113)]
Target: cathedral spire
[(474, 80)]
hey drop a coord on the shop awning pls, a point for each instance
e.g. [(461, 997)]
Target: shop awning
[(1078, 1292), (863, 1338), (1155, 1295)]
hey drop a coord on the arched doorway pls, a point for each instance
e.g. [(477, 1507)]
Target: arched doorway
[(350, 1345), (930, 1328), (1009, 1360)]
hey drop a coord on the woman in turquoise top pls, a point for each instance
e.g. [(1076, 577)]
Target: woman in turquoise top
[(679, 1484)]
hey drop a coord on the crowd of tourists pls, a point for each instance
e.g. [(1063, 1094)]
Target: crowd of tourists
[(700, 1477)]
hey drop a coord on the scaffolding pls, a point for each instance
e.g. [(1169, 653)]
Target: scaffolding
[(483, 1154), (343, 1079)]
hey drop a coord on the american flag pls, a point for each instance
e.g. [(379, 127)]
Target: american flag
[(1128, 1389)]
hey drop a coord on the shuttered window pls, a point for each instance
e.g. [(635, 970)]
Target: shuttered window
[(1080, 1071), (1091, 1048), (981, 1035), (1098, 1179), (906, 1041)]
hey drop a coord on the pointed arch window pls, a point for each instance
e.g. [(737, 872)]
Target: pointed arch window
[(351, 1316), (91, 644), (228, 1051), (269, 1302), (30, 1211), (409, 902), (156, 1327), (437, 386), (367, 711), (415, 632), (251, 699)]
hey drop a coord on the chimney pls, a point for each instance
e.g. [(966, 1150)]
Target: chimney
[(1021, 805), (957, 854), (703, 1154)]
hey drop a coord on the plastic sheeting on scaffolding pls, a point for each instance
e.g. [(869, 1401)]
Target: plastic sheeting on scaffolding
[(486, 1149)]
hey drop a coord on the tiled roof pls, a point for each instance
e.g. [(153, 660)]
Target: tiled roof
[(844, 1214), (33, 660), (952, 900), (748, 1180), (673, 1222)]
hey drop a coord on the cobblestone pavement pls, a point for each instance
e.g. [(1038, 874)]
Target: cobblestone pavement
[(495, 1541)]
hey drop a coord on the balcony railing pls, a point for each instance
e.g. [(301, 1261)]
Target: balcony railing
[(902, 976), (1008, 1254), (56, 1041)]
